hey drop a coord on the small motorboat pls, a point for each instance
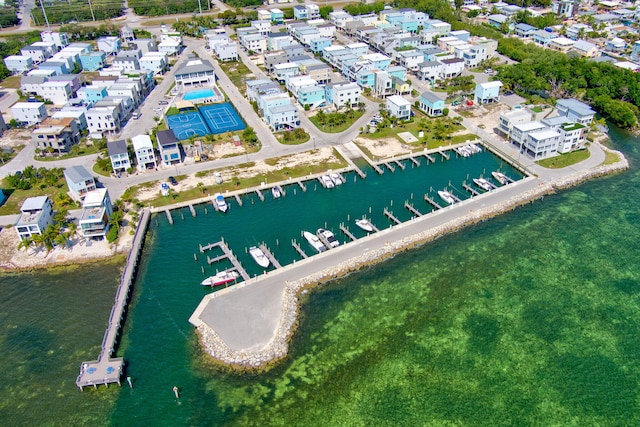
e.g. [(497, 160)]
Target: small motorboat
[(164, 189), (482, 183), (314, 241), (328, 236), (259, 257), (327, 181), (219, 203), (337, 180), (500, 177), (275, 191), (462, 151), (446, 196), (221, 278), (365, 224)]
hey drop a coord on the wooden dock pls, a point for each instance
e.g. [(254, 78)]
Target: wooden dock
[(411, 209), (281, 190), (299, 249), (400, 164), (346, 231), (390, 215), (108, 370), (429, 158), (390, 167), (169, 217), (444, 154), (301, 184), (260, 195), (226, 253), (269, 255), (470, 189), (432, 202), (239, 200), (193, 211)]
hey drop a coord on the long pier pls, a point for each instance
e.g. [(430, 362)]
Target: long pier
[(299, 249), (412, 209), (470, 189), (390, 215), (226, 254), (269, 255), (108, 370), (346, 231)]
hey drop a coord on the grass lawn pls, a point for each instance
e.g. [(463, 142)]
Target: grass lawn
[(293, 137), (77, 150), (333, 122), (16, 197), (237, 72), (11, 82), (564, 160), (610, 158)]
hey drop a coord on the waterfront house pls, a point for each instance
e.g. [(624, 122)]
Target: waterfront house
[(96, 210), (431, 104), (398, 107), (79, 181), (56, 135), (143, 150), (29, 113), (119, 156), (36, 214), (519, 132), (543, 143), (168, 147), (573, 137), (487, 93), (513, 117), (575, 110)]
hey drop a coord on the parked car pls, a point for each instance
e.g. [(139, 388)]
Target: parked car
[(173, 180), (163, 102)]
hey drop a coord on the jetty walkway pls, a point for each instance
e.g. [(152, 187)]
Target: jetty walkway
[(107, 369)]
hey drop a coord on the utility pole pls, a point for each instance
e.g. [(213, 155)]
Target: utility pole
[(45, 15), (91, 9), (200, 7)]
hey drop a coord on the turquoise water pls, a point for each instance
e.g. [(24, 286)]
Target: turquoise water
[(527, 319), (197, 94)]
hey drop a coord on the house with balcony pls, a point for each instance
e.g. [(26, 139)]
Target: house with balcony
[(343, 94), (575, 110), (282, 117), (543, 143), (451, 67), (168, 147), (36, 214), (119, 156), (398, 107), (37, 53), (431, 104), (519, 132), (310, 97), (93, 61), (110, 45), (525, 31), (60, 40), (543, 38), (79, 181), (195, 72), (18, 63), (283, 71), (586, 49), (429, 71), (143, 150), (573, 137), (561, 44), (105, 117), (96, 210), (262, 26), (318, 44), (29, 113), (156, 62), (56, 135), (510, 118), (56, 92), (487, 93)]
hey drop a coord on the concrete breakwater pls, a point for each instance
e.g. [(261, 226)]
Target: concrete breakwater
[(277, 348)]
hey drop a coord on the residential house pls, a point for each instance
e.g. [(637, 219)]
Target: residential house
[(57, 92), (144, 45), (37, 53), (79, 181), (561, 44), (273, 58), (105, 117), (32, 84), (125, 64), (110, 45), (474, 56), (225, 51), (195, 72), (497, 20), (168, 147), (282, 117), (56, 135), (344, 94), (143, 150), (91, 94), (431, 104), (573, 137), (429, 71), (575, 110), (78, 113), (317, 45), (93, 61), (36, 214), (319, 72), (519, 132), (60, 67), (398, 107), (119, 156), (255, 43), (263, 27), (29, 113), (170, 41), (311, 97), (586, 49), (525, 31), (544, 38), (155, 62), (563, 7), (451, 67), (513, 117), (487, 93), (616, 44), (411, 60), (127, 34), (96, 210), (59, 39), (277, 16), (542, 143), (18, 63)]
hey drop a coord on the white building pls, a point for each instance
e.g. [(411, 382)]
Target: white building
[(225, 51), (543, 143), (37, 53), (519, 132), (18, 63), (29, 113), (195, 72), (573, 137), (104, 118), (96, 210), (56, 92), (155, 62), (143, 150), (59, 39), (346, 94), (36, 214), (282, 117), (398, 107), (109, 45), (119, 156)]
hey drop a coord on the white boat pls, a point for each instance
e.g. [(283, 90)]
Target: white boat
[(365, 224), (164, 189), (500, 177), (329, 237), (446, 196), (221, 278), (473, 148), (335, 178), (275, 191), (219, 203), (482, 183), (327, 181), (259, 257), (462, 151), (314, 241)]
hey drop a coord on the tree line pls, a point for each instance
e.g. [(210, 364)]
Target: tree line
[(76, 10)]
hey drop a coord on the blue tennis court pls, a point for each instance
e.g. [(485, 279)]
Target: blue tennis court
[(221, 118), (186, 125)]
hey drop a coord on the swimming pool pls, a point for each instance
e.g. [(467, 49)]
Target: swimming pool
[(198, 94)]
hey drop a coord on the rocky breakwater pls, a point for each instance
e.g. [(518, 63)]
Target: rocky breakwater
[(278, 347)]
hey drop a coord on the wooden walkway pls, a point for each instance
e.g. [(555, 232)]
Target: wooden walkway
[(226, 253), (107, 370), (390, 215), (412, 209), (270, 255), (470, 189), (346, 231), (299, 249)]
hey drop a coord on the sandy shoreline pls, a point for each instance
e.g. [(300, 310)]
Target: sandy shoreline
[(277, 349)]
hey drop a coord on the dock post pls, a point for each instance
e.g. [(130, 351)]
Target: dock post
[(176, 392)]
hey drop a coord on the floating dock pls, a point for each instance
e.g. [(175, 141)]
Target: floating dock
[(107, 370), (390, 167), (470, 190), (269, 255), (226, 254), (411, 209), (390, 215), (193, 211), (443, 154), (400, 164), (260, 195), (239, 199), (432, 202), (429, 158), (346, 231), (298, 249), (301, 184), (169, 217)]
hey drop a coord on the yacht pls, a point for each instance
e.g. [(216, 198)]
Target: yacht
[(482, 183), (221, 278), (219, 203), (365, 224), (500, 177), (446, 196), (328, 236), (314, 241), (259, 257)]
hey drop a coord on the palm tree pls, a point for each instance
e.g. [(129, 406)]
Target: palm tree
[(25, 242)]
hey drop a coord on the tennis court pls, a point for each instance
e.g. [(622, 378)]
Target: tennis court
[(186, 125), (221, 118)]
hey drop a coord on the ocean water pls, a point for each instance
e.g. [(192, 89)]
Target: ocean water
[(530, 318)]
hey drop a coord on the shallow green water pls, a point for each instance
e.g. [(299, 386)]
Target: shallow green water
[(527, 319)]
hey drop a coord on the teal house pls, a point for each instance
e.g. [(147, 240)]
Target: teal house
[(313, 96), (92, 61), (431, 104), (277, 16), (318, 45)]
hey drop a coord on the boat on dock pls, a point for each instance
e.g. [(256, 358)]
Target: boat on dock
[(500, 177), (327, 181), (365, 224), (259, 257), (219, 203), (446, 196), (275, 191), (482, 183), (462, 151), (328, 236), (221, 278), (314, 241), (335, 178)]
